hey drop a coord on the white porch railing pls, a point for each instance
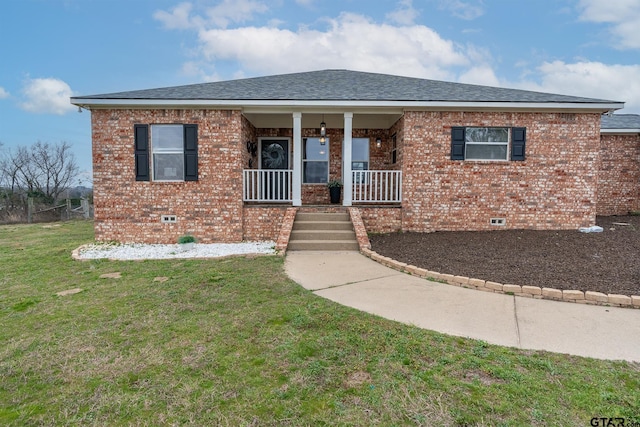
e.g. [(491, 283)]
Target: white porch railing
[(266, 185), (377, 186)]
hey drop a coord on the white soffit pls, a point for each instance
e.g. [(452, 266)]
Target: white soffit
[(291, 105), (619, 131)]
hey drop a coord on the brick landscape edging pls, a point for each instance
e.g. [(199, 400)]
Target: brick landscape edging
[(594, 298)]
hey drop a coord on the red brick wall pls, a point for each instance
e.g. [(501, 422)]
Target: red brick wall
[(262, 223), (555, 188), (130, 211), (249, 135), (619, 175), (381, 219)]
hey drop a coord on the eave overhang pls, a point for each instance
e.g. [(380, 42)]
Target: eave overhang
[(622, 131), (283, 106)]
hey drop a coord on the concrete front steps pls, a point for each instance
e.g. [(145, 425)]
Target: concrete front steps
[(321, 231)]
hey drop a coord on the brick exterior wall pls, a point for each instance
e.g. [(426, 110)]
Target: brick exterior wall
[(555, 188), (381, 219), (619, 176), (262, 223), (130, 211), (249, 135)]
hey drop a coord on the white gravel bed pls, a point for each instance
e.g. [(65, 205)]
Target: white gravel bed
[(200, 250)]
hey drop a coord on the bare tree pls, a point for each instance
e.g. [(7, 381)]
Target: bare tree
[(56, 165), (10, 165), (43, 169)]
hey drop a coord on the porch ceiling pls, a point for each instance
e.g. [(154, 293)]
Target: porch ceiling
[(378, 120)]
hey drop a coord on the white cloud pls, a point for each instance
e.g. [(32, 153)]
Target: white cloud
[(221, 15), (590, 79), (178, 18), (405, 14), (481, 72), (480, 75), (229, 11), (623, 15), (3, 93), (47, 95), (410, 50), (467, 10), (203, 71)]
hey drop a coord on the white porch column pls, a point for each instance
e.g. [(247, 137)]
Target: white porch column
[(347, 178), (296, 190)]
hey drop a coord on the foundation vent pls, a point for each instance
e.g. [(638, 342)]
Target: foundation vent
[(168, 219), (498, 221)]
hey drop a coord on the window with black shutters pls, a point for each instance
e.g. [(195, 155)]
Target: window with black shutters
[(488, 143), (166, 152)]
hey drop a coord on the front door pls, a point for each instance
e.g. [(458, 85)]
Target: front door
[(274, 160), (274, 154)]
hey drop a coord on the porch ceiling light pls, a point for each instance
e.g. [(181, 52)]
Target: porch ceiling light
[(378, 142), (323, 132)]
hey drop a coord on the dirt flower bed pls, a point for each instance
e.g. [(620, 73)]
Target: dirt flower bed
[(607, 262)]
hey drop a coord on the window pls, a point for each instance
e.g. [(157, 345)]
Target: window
[(394, 149), (359, 157), (487, 143), (167, 147), (315, 161), (166, 152)]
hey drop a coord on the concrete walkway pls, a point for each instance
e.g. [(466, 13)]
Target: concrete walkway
[(351, 279)]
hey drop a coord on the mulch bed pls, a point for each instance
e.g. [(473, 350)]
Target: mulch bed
[(607, 262)]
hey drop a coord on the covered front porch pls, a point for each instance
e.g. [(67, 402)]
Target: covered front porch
[(292, 156)]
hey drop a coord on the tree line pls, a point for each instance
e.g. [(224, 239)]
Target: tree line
[(42, 172)]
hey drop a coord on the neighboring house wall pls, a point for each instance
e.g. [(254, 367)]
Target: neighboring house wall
[(210, 208), (554, 188), (619, 175)]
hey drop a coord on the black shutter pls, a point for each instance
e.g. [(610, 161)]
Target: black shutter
[(457, 143), (190, 152), (518, 142), (141, 136)]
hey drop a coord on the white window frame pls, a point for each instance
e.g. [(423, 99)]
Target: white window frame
[(506, 144), (355, 160), (305, 161), (173, 151)]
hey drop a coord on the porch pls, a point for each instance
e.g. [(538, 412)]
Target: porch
[(276, 186), (291, 157)]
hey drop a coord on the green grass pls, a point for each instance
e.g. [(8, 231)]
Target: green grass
[(235, 342)]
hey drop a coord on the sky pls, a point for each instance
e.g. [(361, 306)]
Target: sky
[(51, 50)]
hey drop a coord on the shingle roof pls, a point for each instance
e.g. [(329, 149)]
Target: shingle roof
[(342, 85), (620, 121)]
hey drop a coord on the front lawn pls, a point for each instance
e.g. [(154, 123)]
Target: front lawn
[(235, 342)]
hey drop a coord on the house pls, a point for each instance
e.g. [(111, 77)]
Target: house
[(227, 160), (619, 171)]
